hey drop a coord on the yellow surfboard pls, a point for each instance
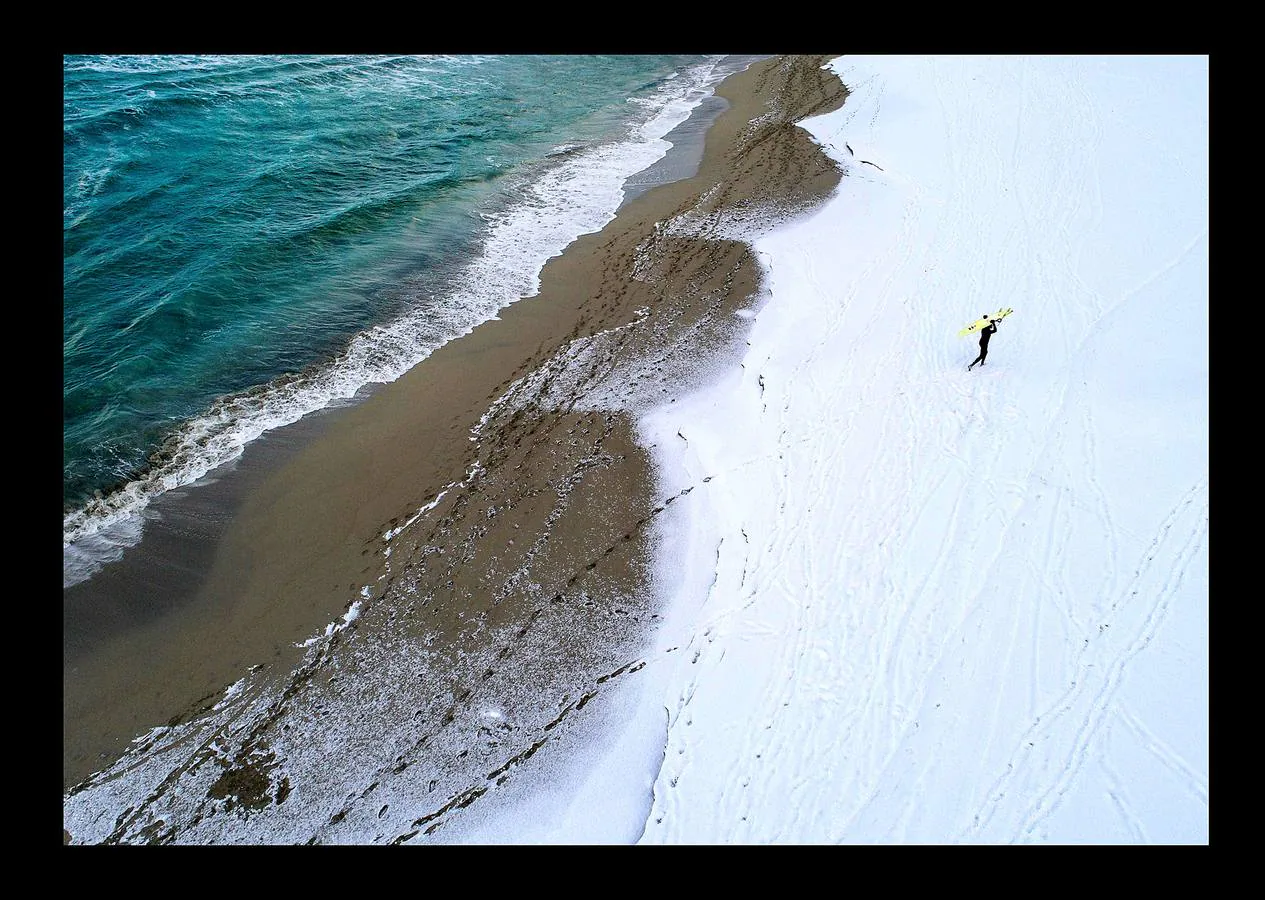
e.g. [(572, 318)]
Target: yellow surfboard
[(980, 323)]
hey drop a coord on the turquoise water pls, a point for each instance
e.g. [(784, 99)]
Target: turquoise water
[(248, 239)]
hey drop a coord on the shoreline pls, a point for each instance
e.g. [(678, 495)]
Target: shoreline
[(157, 590), (533, 534), (101, 528)]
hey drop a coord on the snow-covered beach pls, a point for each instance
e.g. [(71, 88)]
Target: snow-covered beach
[(962, 606), (917, 604), (894, 601)]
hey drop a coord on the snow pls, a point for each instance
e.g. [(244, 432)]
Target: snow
[(915, 604)]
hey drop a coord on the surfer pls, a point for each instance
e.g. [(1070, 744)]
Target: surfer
[(985, 333)]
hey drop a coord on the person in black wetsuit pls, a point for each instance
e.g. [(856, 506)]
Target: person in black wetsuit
[(984, 335)]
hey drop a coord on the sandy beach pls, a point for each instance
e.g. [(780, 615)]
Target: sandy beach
[(477, 531)]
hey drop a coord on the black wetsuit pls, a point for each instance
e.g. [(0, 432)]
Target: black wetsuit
[(983, 344)]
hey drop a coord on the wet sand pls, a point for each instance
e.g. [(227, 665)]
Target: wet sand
[(535, 534)]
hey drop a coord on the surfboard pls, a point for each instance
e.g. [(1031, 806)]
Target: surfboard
[(980, 323)]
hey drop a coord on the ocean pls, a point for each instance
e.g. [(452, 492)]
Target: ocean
[(247, 240)]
